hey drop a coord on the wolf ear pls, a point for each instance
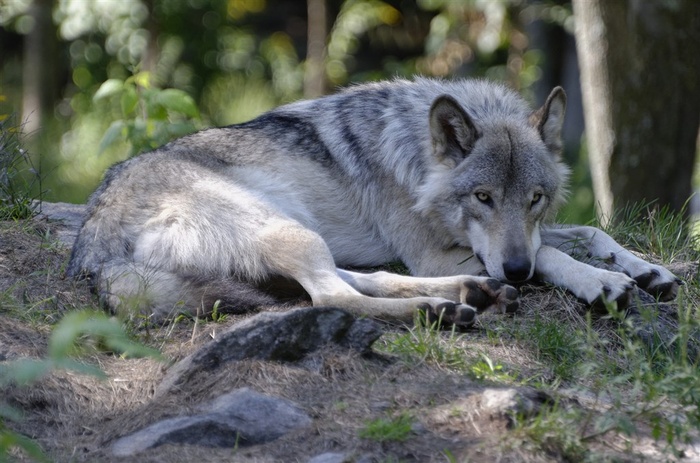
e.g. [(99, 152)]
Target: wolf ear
[(549, 119), (452, 130)]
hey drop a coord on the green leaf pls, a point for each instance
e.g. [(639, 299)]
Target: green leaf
[(115, 132), (143, 79), (178, 129), (108, 88), (9, 439), (9, 413), (129, 100), (176, 100), (24, 371), (79, 367), (95, 324)]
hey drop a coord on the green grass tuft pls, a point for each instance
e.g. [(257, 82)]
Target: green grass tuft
[(396, 429), (20, 182)]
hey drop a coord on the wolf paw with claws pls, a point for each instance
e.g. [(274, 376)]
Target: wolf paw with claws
[(608, 287), (490, 293), (450, 313), (659, 282)]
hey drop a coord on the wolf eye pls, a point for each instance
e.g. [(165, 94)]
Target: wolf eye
[(536, 198), (483, 197)]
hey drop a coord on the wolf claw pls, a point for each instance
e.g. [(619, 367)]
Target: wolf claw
[(664, 287), (450, 313), (490, 293)]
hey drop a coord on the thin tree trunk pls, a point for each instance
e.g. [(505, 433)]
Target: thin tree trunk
[(315, 71), (639, 72), (39, 67), (151, 54)]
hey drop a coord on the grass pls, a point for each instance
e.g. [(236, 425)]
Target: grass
[(612, 384), (20, 182), (426, 343), (656, 231), (397, 429), (618, 376)]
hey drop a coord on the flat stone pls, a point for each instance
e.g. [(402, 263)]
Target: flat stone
[(237, 419), (67, 217), (489, 405), (332, 457)]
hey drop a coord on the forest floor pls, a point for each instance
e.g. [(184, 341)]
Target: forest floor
[(607, 389)]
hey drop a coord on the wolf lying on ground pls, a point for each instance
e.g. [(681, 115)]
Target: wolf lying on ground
[(456, 179)]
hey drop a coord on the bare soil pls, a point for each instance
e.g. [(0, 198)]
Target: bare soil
[(76, 417)]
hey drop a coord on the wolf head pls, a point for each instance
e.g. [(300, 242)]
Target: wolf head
[(494, 180)]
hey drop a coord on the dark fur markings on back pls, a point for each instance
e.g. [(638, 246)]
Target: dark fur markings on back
[(295, 131)]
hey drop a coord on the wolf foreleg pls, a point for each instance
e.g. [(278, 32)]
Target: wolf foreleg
[(596, 247), (591, 284)]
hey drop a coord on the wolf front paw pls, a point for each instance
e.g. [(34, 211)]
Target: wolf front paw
[(659, 282), (488, 293), (450, 313), (608, 287)]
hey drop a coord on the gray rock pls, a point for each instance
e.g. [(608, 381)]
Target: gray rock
[(68, 217), (286, 336), (332, 457), (239, 418), (488, 405), (506, 402), (337, 457)]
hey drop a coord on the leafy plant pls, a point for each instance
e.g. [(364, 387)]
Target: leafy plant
[(554, 344), (10, 439), (216, 315), (636, 386), (73, 334), (486, 369), (151, 116)]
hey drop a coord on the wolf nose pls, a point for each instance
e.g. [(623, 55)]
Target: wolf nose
[(517, 269)]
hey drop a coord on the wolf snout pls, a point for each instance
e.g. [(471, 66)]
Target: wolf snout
[(517, 269)]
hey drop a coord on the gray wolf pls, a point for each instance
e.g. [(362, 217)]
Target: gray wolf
[(459, 180)]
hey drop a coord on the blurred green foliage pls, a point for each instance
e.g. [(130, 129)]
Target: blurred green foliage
[(75, 335), (138, 70), (150, 116)]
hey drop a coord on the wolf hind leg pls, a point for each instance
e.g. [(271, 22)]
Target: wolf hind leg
[(596, 247), (482, 293), (127, 288), (302, 255)]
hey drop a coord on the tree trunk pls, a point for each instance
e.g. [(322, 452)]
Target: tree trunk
[(640, 63), (39, 69), (317, 30)]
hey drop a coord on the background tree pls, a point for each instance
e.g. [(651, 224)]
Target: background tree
[(640, 68), (317, 31), (238, 58), (39, 65)]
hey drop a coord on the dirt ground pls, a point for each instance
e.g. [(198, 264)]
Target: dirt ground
[(76, 417)]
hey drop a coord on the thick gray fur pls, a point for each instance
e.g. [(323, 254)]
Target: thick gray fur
[(453, 178)]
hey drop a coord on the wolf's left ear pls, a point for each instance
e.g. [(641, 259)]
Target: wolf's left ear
[(549, 119), (453, 131)]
